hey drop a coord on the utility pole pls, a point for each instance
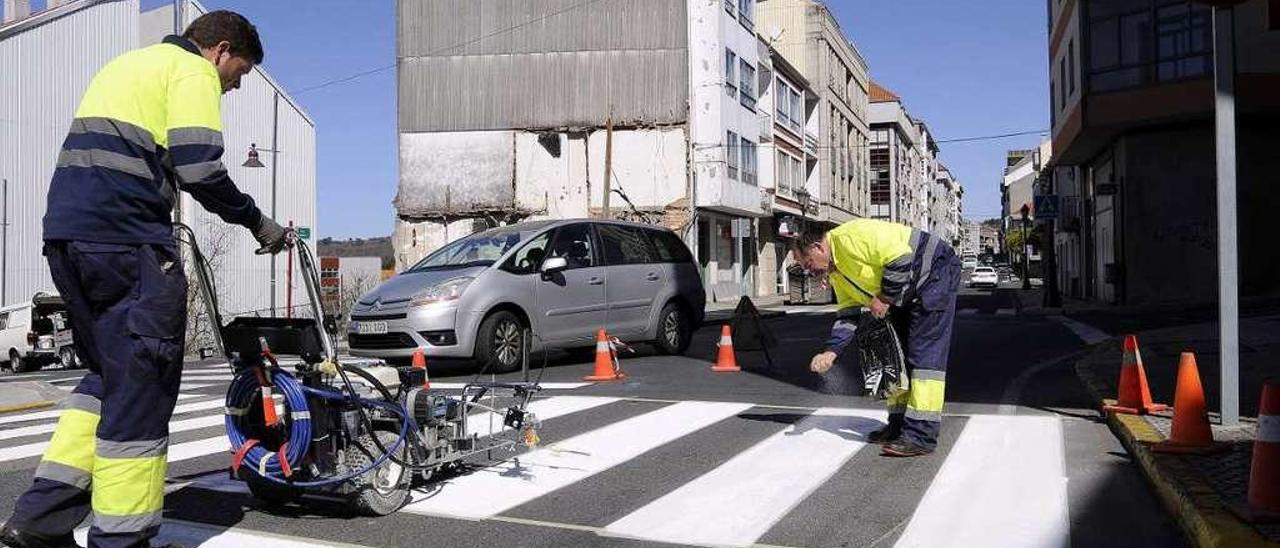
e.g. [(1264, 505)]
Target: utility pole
[(275, 163), (608, 167), (1224, 73)]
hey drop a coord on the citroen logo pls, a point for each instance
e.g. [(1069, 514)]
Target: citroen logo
[(377, 304)]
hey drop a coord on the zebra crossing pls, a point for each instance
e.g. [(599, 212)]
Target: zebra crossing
[(971, 311), (1002, 482)]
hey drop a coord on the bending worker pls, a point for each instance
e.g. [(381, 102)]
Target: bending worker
[(148, 126), (911, 276)]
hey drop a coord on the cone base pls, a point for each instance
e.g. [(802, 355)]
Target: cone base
[(1254, 515), (597, 378), (726, 368), (1191, 449), (1153, 408)]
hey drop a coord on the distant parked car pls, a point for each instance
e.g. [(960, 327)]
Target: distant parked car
[(563, 280), (36, 333), (984, 276)]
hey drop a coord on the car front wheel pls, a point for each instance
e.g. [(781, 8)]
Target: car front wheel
[(500, 342)]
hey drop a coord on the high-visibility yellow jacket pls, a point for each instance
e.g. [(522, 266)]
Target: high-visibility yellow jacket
[(150, 120), (877, 258)]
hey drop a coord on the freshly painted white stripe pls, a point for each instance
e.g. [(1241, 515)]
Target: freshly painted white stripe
[(66, 380), (498, 488), (36, 449), (43, 415), (199, 448), (1005, 312), (207, 376), (968, 311), (739, 501), (545, 385), (26, 377), (1003, 484), (194, 386), (1086, 332), (487, 423), (185, 533)]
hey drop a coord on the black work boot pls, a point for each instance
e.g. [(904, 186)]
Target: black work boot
[(17, 538), (904, 449), (888, 434)]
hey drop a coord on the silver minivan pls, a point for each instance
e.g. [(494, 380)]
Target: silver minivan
[(563, 280)]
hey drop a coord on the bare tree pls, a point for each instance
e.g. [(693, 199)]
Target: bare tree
[(215, 241)]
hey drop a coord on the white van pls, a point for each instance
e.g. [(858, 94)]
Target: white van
[(36, 333)]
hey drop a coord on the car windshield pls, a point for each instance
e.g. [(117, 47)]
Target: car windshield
[(476, 250), (984, 270)]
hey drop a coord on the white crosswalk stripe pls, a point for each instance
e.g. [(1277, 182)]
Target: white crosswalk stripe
[(776, 473), (498, 488), (1002, 483), (184, 533)]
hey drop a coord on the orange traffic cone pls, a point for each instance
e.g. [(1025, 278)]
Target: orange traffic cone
[(605, 371), (420, 362), (1135, 394), (1191, 431), (1264, 472), (725, 361)]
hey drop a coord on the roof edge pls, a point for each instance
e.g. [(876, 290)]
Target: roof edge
[(39, 18)]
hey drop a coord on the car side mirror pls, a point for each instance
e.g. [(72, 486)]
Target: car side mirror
[(554, 264)]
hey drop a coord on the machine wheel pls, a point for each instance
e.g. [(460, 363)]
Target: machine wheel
[(271, 492), (67, 357), (675, 328), (499, 342), (384, 489)]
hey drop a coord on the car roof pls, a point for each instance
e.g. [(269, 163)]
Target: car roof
[(985, 268), (535, 226)]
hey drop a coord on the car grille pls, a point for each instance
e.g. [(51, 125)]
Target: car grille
[(389, 341), (377, 317)]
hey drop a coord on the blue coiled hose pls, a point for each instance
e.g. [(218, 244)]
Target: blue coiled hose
[(240, 396)]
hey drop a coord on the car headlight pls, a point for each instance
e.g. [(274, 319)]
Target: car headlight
[(448, 290)]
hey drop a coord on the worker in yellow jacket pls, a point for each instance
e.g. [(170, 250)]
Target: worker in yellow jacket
[(148, 126), (910, 276)]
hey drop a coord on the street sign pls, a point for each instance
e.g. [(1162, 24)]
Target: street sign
[(1047, 207), (304, 232)]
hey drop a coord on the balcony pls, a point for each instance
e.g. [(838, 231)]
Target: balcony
[(810, 143)]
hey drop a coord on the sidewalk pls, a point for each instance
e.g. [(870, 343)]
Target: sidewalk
[(773, 306), (1197, 490), (26, 395)]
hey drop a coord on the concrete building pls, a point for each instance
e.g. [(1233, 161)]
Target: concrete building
[(1017, 188), (944, 212), (1131, 103), (898, 160), (48, 59), (807, 35), (970, 238), (788, 165), (516, 126)]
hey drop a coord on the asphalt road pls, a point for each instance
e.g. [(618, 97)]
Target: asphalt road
[(678, 455)]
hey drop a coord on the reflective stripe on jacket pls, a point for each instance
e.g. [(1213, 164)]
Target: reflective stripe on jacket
[(149, 116), (878, 258)]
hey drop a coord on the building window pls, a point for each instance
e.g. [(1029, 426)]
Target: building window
[(1139, 42), (783, 171), (748, 161), (1053, 103), (746, 13), (746, 81), (797, 111), (1071, 65), (731, 154), (730, 73), (780, 100), (1062, 77)]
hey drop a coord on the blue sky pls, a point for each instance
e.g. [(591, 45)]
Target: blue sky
[(966, 68)]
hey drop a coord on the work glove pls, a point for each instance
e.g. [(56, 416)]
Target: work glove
[(270, 235)]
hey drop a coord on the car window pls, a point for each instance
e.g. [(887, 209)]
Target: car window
[(529, 258), (574, 243), (475, 250), (669, 247), (4, 320), (625, 245)]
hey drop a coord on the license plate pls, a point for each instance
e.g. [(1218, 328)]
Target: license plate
[(372, 328)]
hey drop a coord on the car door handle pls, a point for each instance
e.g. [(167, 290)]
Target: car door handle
[(652, 276), (595, 280)]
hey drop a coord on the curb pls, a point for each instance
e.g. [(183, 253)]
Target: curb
[(26, 406), (764, 315), (1194, 505)]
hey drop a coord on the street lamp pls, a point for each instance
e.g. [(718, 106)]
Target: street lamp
[(254, 162), (1026, 259)]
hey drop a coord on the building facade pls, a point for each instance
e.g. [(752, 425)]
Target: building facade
[(48, 59), (1131, 103)]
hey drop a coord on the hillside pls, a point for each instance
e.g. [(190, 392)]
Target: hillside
[(358, 247)]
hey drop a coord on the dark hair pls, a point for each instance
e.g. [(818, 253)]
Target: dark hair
[(222, 25), (801, 243)]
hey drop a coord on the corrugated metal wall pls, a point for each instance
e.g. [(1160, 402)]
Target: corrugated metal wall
[(52, 65), (502, 64), (43, 72)]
